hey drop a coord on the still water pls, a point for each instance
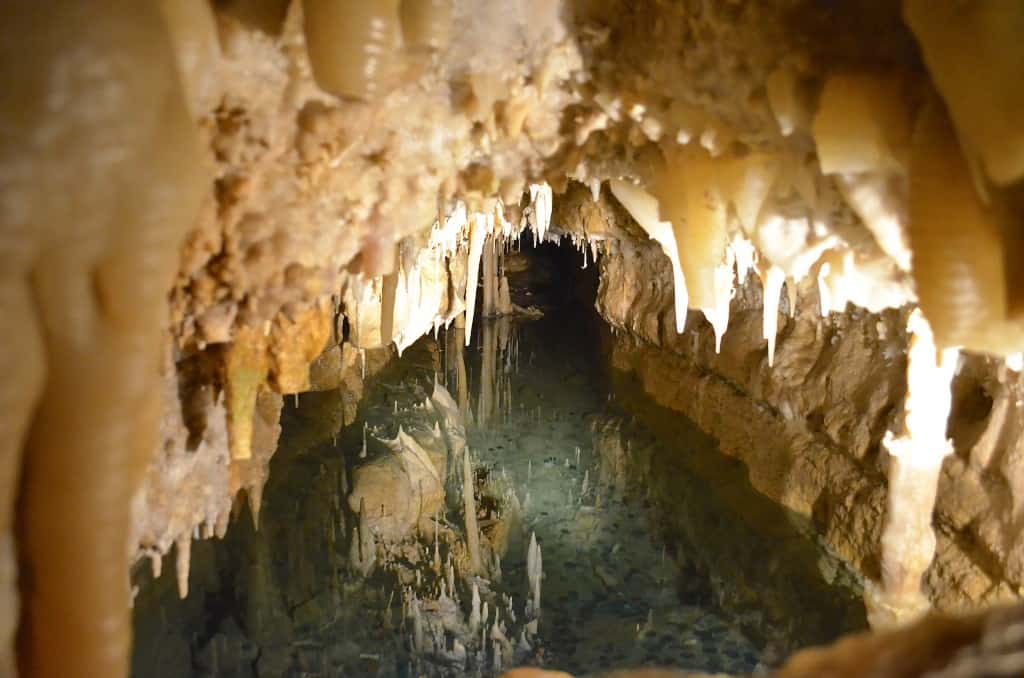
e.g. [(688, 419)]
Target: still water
[(655, 549)]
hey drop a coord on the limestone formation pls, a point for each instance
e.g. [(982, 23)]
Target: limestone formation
[(208, 206)]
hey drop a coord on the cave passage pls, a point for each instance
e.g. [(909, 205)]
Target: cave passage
[(655, 549)]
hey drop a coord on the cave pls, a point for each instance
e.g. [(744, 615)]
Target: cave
[(524, 338)]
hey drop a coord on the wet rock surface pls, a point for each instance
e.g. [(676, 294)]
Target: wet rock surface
[(810, 427)]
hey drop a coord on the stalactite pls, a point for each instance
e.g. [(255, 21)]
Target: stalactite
[(915, 460), (862, 124), (183, 549), (478, 229), (745, 255), (643, 207), (690, 197), (772, 282), (960, 240), (388, 294), (245, 371), (103, 176), (353, 46), (719, 315), (973, 54)]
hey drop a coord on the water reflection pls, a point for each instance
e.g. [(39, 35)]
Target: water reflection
[(655, 547)]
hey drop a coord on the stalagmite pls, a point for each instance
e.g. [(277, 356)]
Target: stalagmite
[(412, 613), (426, 23), (643, 207), (469, 508), (915, 460), (436, 563), (772, 282), (255, 494), (488, 374), (362, 545), (474, 610), (534, 573), (504, 297)]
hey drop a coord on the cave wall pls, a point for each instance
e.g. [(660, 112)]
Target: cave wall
[(810, 427)]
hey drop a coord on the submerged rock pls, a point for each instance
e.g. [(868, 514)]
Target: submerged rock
[(399, 488)]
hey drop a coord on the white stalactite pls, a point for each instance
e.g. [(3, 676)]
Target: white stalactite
[(719, 315), (772, 282), (478, 229), (744, 252), (644, 209), (541, 201)]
